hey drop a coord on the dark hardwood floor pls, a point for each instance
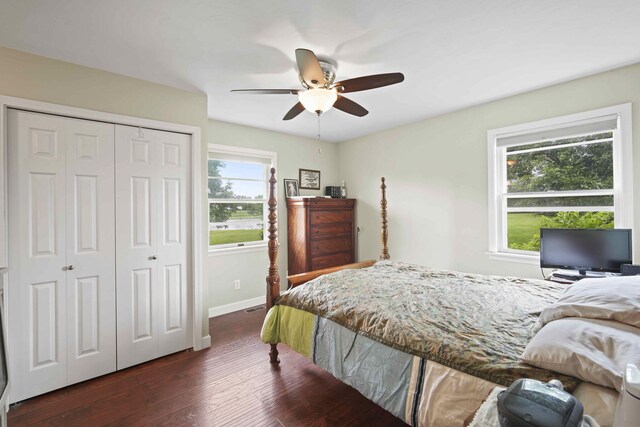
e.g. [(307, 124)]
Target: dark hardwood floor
[(232, 383)]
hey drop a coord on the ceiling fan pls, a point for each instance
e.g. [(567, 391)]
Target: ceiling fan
[(320, 92)]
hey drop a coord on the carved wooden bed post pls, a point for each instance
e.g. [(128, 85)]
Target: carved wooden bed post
[(384, 233), (273, 278)]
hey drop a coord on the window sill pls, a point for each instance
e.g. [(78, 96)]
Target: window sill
[(513, 257), (238, 250)]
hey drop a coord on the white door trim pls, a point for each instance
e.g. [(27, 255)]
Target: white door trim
[(200, 338)]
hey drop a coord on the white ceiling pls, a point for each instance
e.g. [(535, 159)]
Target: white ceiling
[(453, 53)]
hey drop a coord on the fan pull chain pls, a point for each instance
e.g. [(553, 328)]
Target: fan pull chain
[(318, 127)]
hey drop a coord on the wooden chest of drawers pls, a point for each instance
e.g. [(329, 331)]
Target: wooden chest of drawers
[(320, 233)]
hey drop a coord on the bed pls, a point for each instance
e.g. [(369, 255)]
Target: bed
[(427, 345)]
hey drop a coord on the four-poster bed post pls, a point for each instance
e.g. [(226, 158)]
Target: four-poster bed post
[(384, 234), (273, 278)]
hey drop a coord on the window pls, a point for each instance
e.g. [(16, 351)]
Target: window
[(568, 172), (238, 191)]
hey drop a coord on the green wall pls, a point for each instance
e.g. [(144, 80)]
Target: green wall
[(436, 173)]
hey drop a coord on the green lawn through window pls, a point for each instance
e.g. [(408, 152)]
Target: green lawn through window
[(522, 227), (221, 237)]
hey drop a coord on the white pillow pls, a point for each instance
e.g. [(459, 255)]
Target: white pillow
[(613, 298), (596, 351)]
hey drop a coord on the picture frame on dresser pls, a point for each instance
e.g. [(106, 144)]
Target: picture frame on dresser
[(291, 188), (309, 179)]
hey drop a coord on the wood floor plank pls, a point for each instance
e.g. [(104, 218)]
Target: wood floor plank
[(230, 384)]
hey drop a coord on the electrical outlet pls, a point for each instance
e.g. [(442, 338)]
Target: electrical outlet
[(236, 284)]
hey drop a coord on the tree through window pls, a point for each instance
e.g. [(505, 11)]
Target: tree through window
[(568, 172)]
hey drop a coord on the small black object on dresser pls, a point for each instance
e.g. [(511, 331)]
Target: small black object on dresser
[(629, 269), (334, 191)]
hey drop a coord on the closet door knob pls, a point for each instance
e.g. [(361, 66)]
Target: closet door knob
[(70, 267), (153, 258)]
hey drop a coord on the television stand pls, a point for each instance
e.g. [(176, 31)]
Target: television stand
[(571, 276)]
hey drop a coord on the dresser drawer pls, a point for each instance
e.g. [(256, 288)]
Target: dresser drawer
[(318, 263), (329, 217), (330, 246), (324, 230)]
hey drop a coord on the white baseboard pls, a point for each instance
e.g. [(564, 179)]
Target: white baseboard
[(205, 342), (235, 306)]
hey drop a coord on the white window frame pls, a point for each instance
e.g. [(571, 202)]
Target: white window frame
[(622, 176), (271, 158)]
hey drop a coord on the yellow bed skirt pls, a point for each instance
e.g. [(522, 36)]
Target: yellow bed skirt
[(296, 334)]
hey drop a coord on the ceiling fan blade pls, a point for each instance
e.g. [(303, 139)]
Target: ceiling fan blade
[(348, 106), (297, 109), (369, 82), (267, 91), (309, 67)]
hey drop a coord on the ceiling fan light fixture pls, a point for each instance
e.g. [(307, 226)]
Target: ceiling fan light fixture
[(321, 92), (318, 100)]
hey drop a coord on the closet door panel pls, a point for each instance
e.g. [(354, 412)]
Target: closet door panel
[(136, 224), (42, 214), (85, 194), (141, 297), (140, 212), (44, 336), (87, 312), (37, 259), (91, 314), (173, 175), (173, 319)]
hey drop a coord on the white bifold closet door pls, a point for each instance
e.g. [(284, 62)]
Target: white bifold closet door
[(152, 218), (62, 325)]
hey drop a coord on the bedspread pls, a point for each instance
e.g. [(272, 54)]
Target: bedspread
[(473, 323)]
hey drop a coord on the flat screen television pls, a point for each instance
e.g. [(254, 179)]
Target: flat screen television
[(585, 249)]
